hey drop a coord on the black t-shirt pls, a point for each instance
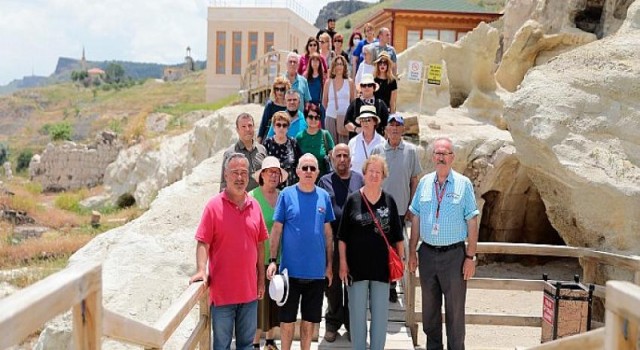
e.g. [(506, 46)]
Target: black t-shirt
[(367, 252), (385, 90), (353, 111), (338, 190)]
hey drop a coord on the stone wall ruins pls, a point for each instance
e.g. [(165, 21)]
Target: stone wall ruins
[(70, 166)]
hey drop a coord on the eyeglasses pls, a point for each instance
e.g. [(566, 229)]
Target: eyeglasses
[(281, 125), (367, 85), (442, 154), (365, 120), (310, 168), (239, 173), (273, 172), (323, 42), (281, 89), (292, 62), (314, 117)]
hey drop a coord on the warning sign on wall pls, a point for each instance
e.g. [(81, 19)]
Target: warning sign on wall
[(548, 306), (434, 74), (415, 71)]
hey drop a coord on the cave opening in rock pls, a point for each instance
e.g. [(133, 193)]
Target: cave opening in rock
[(517, 215), (589, 19)]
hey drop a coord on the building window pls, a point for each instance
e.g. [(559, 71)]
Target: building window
[(221, 39), (268, 41), (236, 63), (431, 34), (413, 36), (448, 36), (253, 46)]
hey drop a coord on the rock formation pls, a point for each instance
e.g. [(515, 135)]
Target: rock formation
[(144, 169), (70, 166), (469, 69), (575, 123)]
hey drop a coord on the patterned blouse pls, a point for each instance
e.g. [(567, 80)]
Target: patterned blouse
[(288, 153)]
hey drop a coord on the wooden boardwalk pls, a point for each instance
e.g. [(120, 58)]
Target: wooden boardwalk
[(398, 335)]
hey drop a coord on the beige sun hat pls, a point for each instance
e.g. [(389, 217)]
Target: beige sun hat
[(271, 162), (367, 111), (367, 78), (279, 288)]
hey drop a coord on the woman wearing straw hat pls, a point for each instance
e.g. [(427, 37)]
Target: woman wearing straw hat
[(388, 86), (363, 144), (268, 178)]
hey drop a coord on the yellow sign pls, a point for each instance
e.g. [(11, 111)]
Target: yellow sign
[(434, 75)]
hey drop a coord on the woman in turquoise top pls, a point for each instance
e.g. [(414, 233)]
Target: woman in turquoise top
[(314, 139), (268, 178)]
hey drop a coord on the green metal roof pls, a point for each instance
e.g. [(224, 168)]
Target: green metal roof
[(462, 6)]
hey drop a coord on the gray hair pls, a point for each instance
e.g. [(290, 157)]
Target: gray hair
[(294, 55), (443, 138), (293, 92), (233, 156), (307, 156), (244, 115), (370, 48)]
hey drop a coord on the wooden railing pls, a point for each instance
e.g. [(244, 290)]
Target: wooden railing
[(622, 317), (259, 75), (80, 288), (590, 260)]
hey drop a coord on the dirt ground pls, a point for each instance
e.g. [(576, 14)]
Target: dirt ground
[(511, 302)]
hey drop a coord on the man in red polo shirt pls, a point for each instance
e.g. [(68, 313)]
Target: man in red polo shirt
[(233, 244)]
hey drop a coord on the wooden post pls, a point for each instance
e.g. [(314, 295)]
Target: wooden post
[(87, 321), (205, 341), (589, 270)]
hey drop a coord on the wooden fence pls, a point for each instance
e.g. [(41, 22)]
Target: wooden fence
[(589, 258), (80, 288), (259, 75)]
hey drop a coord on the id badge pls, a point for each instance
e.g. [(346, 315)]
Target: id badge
[(435, 229)]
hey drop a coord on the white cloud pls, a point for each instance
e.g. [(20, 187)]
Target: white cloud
[(34, 33)]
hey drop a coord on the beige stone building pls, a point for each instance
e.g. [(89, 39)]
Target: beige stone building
[(237, 36)]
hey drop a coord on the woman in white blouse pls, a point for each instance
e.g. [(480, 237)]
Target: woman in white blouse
[(338, 93)]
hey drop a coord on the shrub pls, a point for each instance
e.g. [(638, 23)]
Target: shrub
[(4, 153), (33, 187), (70, 201), (347, 24), (24, 158), (61, 131)]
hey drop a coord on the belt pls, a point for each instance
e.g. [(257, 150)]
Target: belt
[(444, 248)]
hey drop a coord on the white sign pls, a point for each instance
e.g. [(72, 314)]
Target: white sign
[(415, 71)]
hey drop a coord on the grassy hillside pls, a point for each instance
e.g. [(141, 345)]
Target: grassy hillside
[(24, 115), (360, 16)]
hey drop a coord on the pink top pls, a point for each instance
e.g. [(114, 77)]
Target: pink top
[(233, 236), (304, 61)]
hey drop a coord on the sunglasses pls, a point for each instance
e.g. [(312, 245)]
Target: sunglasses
[(293, 62), (337, 41), (323, 42), (314, 117), (281, 125), (383, 63), (367, 85), (365, 120), (281, 89), (313, 45), (308, 168)]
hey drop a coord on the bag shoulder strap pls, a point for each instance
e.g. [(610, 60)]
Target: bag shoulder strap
[(374, 218), (335, 93)]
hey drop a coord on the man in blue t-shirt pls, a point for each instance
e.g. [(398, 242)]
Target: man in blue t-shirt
[(302, 222)]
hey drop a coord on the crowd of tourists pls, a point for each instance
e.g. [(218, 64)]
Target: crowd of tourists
[(316, 206)]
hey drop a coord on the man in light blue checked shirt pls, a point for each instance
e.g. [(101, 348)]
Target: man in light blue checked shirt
[(445, 215)]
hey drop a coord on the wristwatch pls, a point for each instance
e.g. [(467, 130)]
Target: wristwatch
[(272, 260), (470, 257)]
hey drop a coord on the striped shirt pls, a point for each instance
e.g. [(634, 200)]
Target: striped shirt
[(457, 207)]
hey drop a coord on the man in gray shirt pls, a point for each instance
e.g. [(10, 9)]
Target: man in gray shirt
[(404, 169), (248, 146)]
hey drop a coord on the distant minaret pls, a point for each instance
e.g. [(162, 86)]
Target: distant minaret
[(83, 60)]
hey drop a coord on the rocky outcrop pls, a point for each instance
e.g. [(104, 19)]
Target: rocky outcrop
[(575, 124), (337, 10), (71, 166), (142, 170), (470, 72)]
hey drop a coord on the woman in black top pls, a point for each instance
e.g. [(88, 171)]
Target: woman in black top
[(364, 254), (275, 104), (383, 75)]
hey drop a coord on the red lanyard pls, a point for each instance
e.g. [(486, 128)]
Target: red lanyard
[(439, 195)]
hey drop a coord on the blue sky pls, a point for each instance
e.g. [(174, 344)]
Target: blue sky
[(34, 33)]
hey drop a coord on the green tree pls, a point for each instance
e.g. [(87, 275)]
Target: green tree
[(24, 158), (4, 153), (347, 24), (79, 75), (60, 131), (114, 73)]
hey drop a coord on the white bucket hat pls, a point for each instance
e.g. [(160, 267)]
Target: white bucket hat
[(367, 111), (279, 288), (270, 162), (367, 78)]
